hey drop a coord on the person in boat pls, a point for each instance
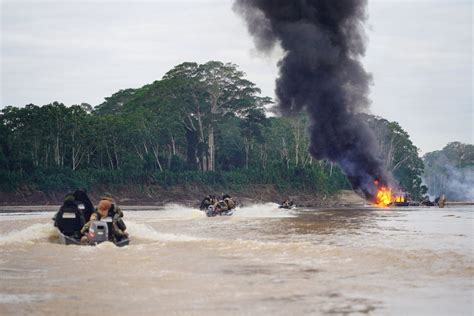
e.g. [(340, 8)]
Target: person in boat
[(81, 198), (208, 201), (219, 207), (70, 205), (287, 204), (114, 209), (230, 203), (205, 203), (104, 209)]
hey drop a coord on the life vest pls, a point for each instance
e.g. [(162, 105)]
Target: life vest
[(72, 224)]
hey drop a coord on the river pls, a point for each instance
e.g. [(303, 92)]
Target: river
[(261, 261)]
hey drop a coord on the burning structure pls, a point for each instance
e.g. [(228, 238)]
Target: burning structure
[(385, 197), (321, 72)]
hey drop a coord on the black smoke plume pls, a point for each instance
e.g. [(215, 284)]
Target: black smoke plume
[(321, 71)]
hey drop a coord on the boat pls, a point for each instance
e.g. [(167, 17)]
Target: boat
[(211, 212), (70, 223), (399, 204), (287, 207)]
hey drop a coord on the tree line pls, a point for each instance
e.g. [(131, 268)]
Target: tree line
[(200, 124)]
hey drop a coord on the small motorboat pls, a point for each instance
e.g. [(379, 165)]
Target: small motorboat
[(70, 223), (288, 205), (212, 212)]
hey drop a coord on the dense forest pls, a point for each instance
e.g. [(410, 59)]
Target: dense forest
[(200, 124)]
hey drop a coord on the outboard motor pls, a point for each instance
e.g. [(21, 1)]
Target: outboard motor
[(210, 211), (98, 232)]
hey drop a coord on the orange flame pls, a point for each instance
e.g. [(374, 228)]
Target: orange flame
[(384, 197), (399, 199)]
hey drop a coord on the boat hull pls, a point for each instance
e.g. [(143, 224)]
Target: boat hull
[(67, 240)]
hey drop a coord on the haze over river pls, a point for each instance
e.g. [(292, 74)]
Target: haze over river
[(261, 261)]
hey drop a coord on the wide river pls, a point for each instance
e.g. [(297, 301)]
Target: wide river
[(261, 261)]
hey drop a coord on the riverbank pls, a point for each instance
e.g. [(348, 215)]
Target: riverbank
[(189, 195)]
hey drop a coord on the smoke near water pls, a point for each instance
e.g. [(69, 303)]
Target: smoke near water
[(321, 72), (458, 184), (443, 176)]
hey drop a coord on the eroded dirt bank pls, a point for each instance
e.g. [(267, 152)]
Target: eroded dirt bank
[(188, 195)]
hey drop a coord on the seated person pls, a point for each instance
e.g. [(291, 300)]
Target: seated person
[(104, 209), (81, 198), (220, 207), (230, 203), (206, 202), (69, 226), (114, 209), (288, 204)]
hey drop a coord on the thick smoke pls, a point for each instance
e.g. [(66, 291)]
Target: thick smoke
[(321, 72)]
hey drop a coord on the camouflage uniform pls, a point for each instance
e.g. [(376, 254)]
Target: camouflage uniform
[(114, 209), (230, 203), (118, 227), (206, 202), (220, 207), (117, 232)]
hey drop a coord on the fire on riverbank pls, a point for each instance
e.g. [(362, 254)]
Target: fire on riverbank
[(385, 197)]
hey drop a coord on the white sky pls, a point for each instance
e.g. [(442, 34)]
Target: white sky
[(420, 53)]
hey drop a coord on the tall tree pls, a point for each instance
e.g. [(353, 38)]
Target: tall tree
[(399, 154)]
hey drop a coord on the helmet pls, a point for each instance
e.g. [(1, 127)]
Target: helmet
[(107, 196), (69, 197)]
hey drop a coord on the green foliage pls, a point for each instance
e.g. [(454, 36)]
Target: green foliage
[(400, 155), (200, 124)]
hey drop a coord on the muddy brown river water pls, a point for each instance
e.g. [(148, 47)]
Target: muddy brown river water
[(261, 261)]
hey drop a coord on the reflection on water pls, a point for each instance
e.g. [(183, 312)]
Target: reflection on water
[(262, 260)]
